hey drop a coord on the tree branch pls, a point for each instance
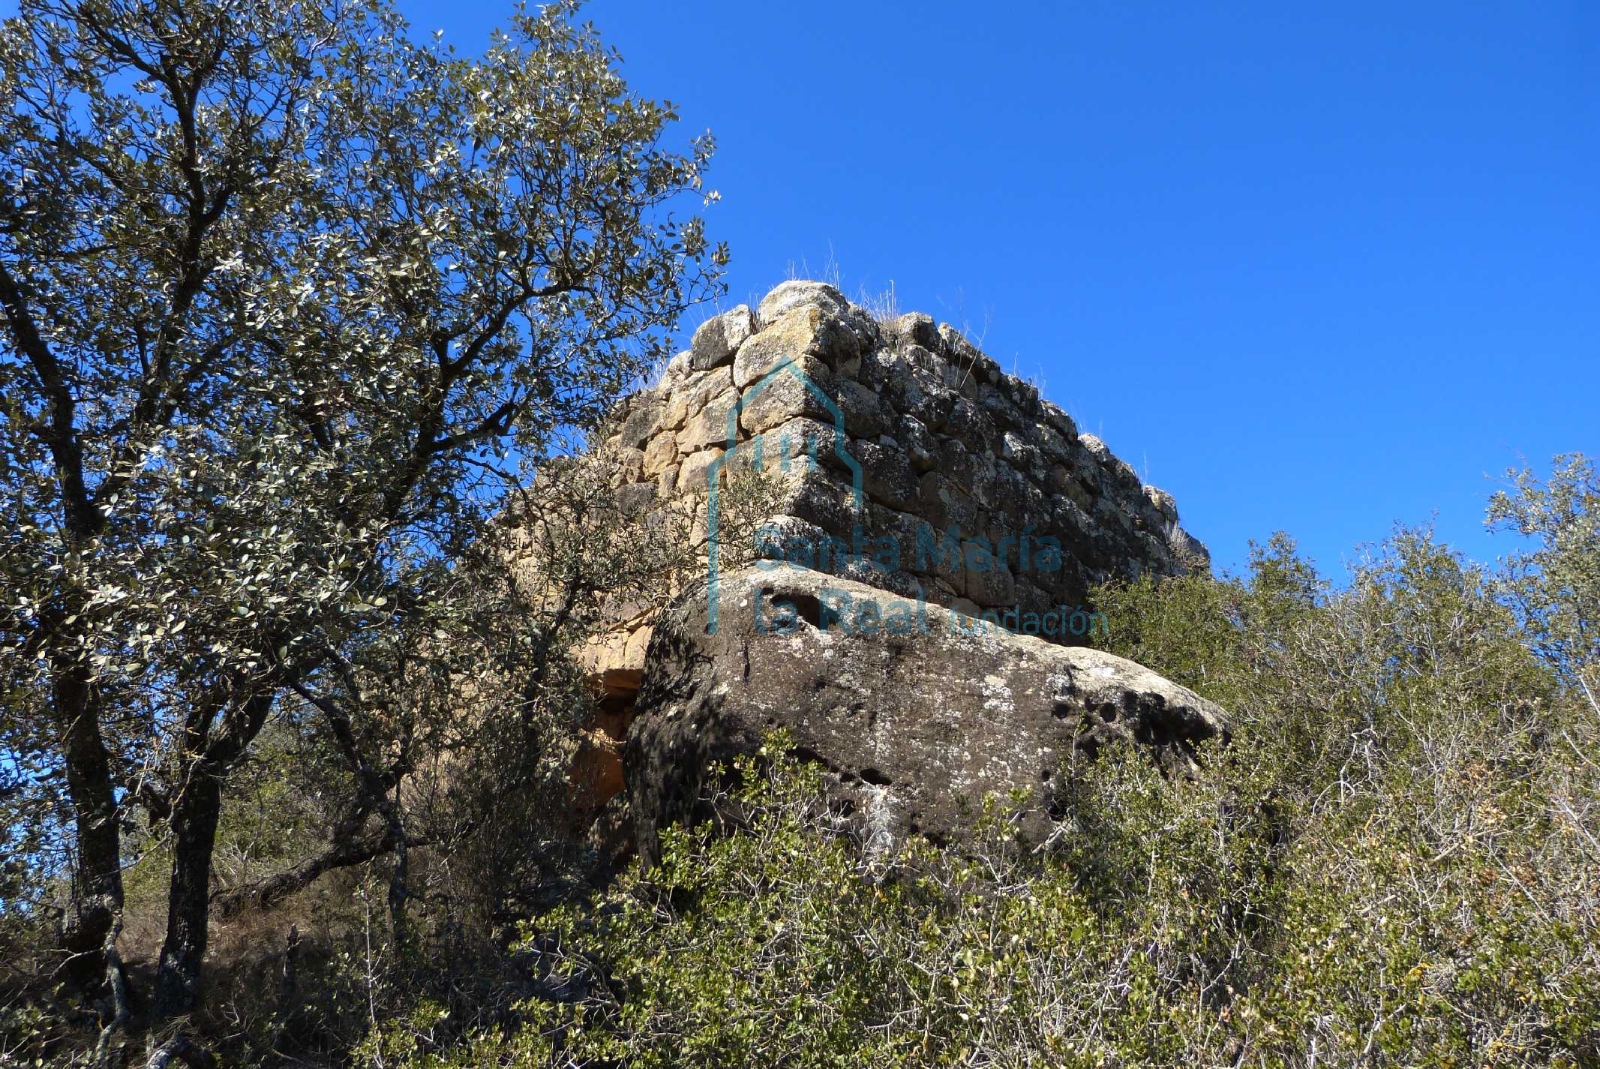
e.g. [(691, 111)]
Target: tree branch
[(266, 893), (59, 434)]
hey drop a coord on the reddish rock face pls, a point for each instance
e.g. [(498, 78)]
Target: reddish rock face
[(597, 775)]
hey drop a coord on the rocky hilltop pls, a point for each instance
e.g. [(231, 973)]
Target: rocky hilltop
[(907, 463)]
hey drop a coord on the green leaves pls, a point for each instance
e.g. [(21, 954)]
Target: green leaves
[(1390, 864), (1555, 586), (290, 303)]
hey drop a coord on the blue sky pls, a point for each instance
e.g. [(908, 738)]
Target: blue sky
[(1313, 268)]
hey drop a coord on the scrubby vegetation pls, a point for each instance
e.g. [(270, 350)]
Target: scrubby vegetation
[(1393, 863), (297, 319)]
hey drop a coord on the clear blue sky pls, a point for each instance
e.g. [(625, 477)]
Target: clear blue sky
[(1318, 270), (1312, 269)]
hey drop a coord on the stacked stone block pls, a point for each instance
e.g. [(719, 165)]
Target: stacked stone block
[(944, 440)]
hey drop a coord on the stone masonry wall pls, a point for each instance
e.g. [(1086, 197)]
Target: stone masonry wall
[(944, 440)]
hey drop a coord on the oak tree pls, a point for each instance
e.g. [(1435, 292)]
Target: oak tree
[(286, 299)]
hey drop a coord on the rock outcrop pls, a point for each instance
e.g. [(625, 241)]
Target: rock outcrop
[(914, 723), (906, 459)]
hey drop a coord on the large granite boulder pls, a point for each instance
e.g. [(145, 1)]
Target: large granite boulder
[(916, 711)]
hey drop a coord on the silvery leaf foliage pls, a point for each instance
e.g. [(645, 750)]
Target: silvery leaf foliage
[(289, 300)]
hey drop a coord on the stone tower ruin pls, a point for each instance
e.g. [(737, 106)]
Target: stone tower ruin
[(883, 435)]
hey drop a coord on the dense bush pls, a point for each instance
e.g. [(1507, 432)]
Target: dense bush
[(1393, 863), (293, 307)]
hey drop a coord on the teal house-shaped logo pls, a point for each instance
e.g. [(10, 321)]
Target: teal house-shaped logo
[(757, 447)]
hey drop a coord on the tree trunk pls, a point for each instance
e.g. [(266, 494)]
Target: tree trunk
[(97, 872), (399, 930), (194, 833)]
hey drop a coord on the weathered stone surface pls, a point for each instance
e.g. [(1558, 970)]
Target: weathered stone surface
[(863, 415), (1096, 448), (1163, 502), (1058, 420), (802, 332), (910, 393), (946, 444), (677, 370), (710, 425), (794, 439), (720, 337), (660, 454), (962, 353), (918, 329), (688, 397), (767, 403), (801, 293), (912, 435), (887, 474), (644, 416), (917, 726), (819, 495), (694, 475)]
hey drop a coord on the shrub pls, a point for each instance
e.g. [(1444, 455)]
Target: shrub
[(1392, 864)]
